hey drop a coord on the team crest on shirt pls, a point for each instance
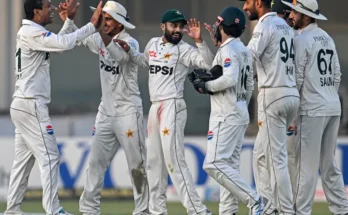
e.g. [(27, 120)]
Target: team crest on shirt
[(210, 135), (292, 130), (167, 56), (49, 130), (227, 62)]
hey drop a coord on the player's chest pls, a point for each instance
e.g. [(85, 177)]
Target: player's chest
[(163, 60), (107, 65)]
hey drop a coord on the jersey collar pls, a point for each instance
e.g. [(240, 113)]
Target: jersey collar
[(122, 34), (308, 27), (228, 41), (29, 22), (267, 15)]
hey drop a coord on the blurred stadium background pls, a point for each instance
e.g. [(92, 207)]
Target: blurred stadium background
[(76, 95)]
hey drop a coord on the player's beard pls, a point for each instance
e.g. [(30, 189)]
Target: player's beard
[(297, 24), (170, 36), (253, 16)]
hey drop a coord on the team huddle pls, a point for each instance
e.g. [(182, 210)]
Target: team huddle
[(293, 61)]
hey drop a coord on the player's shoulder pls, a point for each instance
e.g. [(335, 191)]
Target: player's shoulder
[(266, 20), (235, 48), (184, 46), (29, 30), (153, 41), (313, 34)]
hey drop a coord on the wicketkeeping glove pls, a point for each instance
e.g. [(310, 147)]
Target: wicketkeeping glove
[(198, 77), (198, 83)]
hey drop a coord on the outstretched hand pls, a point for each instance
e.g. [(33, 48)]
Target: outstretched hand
[(194, 30), (97, 17), (212, 34), (68, 9)]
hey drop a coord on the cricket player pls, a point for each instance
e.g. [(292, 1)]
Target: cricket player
[(119, 121), (278, 101), (318, 78), (34, 138), (284, 11), (168, 59), (229, 118)]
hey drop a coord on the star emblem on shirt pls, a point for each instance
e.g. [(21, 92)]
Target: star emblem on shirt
[(129, 133), (165, 131), (259, 123), (167, 56), (171, 169), (272, 3)]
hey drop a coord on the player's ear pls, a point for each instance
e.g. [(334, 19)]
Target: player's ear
[(36, 12), (258, 3), (308, 18), (163, 26)]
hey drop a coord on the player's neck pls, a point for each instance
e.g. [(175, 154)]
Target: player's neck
[(164, 39), (225, 37), (305, 25), (37, 21), (263, 11), (113, 33)]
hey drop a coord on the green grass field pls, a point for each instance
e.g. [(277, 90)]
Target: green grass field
[(126, 207)]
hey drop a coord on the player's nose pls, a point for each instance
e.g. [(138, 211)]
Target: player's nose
[(244, 7)]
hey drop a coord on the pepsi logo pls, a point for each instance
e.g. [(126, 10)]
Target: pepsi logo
[(94, 129), (227, 62), (49, 130), (210, 135), (291, 131)]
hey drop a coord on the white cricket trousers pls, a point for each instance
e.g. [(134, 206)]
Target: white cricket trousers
[(34, 140), (165, 154), (317, 145), (291, 142), (225, 141), (111, 132), (275, 114)]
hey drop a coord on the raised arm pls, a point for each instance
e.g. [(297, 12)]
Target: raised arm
[(67, 12), (50, 42), (201, 56), (141, 59)]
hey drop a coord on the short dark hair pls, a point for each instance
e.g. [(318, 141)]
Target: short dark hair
[(29, 7), (233, 30), (266, 4)]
